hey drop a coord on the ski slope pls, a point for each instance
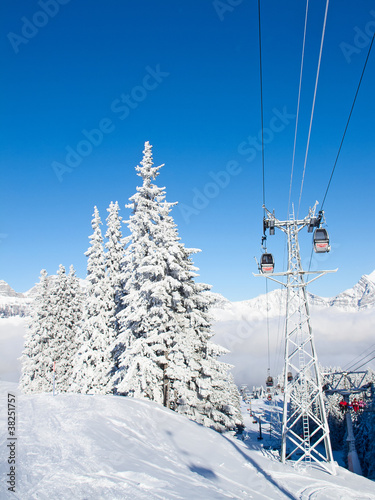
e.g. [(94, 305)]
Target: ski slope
[(94, 447)]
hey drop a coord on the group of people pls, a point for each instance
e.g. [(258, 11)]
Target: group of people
[(355, 405)]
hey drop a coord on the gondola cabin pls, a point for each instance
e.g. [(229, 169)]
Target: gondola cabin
[(269, 381), (290, 376), (321, 240), (267, 263)]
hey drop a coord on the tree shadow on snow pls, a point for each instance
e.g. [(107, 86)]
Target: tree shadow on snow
[(202, 471), (261, 471)]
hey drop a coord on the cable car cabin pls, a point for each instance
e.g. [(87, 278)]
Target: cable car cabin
[(321, 240), (269, 381), (266, 263), (290, 376)]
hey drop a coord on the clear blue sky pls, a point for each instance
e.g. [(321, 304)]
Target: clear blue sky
[(184, 76)]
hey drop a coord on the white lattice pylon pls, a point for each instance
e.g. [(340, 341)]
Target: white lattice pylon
[(304, 423)]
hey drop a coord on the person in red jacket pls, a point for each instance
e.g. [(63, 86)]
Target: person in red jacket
[(355, 405), (343, 405)]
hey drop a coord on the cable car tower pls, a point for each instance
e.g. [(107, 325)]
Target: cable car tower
[(304, 422)]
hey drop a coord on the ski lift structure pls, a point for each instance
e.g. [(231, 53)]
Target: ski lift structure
[(320, 241), (299, 342), (347, 384)]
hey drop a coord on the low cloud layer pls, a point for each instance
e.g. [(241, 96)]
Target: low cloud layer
[(339, 337)]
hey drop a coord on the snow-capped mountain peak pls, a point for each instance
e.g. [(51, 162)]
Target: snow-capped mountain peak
[(7, 291)]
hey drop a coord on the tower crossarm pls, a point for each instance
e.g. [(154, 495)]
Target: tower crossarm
[(345, 382), (270, 221)]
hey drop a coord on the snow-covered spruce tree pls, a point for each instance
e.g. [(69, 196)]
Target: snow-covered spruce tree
[(113, 258), (75, 300), (200, 381), (93, 361), (63, 341), (163, 348), (146, 321), (53, 330), (36, 364)]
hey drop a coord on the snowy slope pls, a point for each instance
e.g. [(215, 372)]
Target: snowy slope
[(95, 447)]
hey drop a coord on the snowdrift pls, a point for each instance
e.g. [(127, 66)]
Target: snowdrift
[(94, 447)]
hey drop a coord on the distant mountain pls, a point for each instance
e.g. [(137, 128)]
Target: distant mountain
[(360, 297), (11, 302), (7, 291)]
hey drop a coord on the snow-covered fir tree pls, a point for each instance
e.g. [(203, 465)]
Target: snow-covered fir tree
[(63, 343), (52, 336), (93, 361), (75, 300), (146, 319), (36, 373), (163, 349), (113, 257)]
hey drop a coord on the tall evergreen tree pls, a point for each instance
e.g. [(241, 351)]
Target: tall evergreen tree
[(164, 349), (145, 318), (93, 361), (63, 345), (75, 300), (36, 373), (52, 336), (113, 259)]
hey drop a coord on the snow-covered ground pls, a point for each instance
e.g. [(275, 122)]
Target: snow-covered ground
[(95, 447)]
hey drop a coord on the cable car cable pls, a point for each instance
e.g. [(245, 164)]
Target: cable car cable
[(313, 105), (351, 363), (298, 103), (366, 362), (263, 169), (261, 102), (347, 123), (279, 341), (268, 333)]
